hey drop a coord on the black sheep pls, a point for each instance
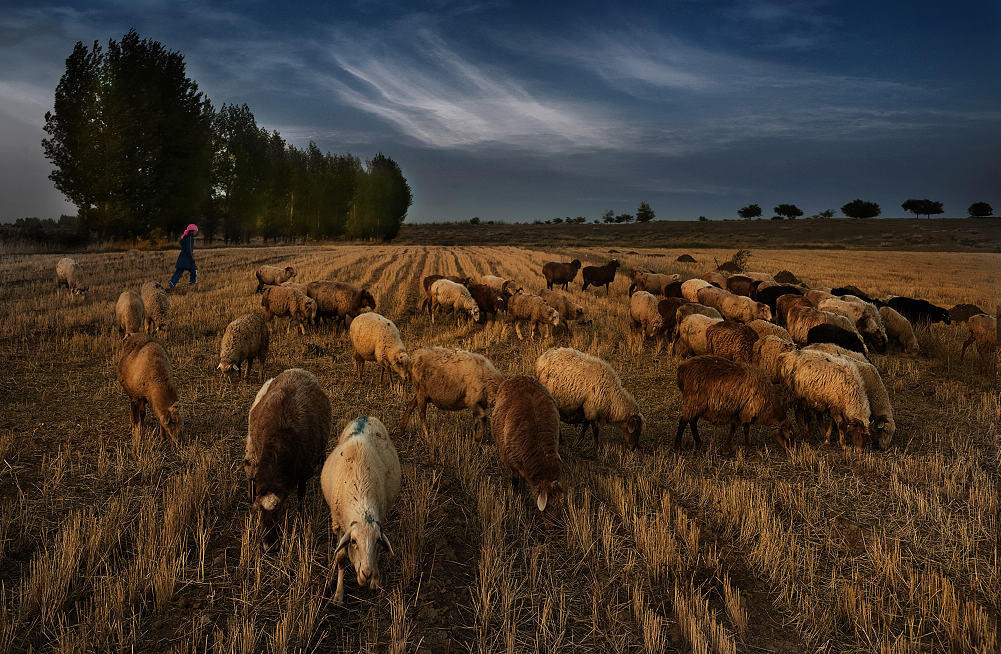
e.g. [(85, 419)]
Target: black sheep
[(837, 335), (919, 311)]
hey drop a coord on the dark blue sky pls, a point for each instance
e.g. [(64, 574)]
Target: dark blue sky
[(532, 110)]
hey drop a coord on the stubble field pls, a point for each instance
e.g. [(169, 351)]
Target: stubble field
[(115, 543)]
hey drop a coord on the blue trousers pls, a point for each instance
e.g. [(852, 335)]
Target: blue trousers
[(192, 274)]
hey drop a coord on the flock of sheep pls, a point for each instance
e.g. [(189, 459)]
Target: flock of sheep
[(756, 347)]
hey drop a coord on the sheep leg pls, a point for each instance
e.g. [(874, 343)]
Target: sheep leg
[(681, 432), (406, 415), (136, 420), (583, 431), (695, 432), (729, 438), (517, 330), (423, 415), (382, 374), (594, 431), (432, 311), (747, 436), (340, 565), (359, 366), (967, 344)]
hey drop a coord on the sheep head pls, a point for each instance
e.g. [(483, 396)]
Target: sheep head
[(229, 370), (633, 429), (290, 271), (548, 494), (367, 300), (553, 317), (363, 541), (762, 311), (576, 264), (172, 421), (858, 432), (882, 429), (401, 365)]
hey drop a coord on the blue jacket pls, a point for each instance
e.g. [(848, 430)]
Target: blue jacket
[(186, 259)]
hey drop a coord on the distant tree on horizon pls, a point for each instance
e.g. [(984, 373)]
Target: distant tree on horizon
[(826, 213), (608, 216), (860, 209), (788, 210), (980, 210), (644, 213), (925, 206), (750, 211), (624, 218)]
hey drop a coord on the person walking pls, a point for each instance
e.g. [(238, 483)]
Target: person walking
[(186, 259)]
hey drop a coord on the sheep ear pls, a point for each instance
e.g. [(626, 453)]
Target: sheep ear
[(343, 542), (542, 499), (385, 541)]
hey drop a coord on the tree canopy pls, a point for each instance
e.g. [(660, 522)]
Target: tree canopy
[(926, 207), (860, 209), (788, 210), (644, 213), (750, 211), (980, 210)]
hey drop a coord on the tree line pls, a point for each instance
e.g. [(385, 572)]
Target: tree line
[(859, 208), (140, 152)]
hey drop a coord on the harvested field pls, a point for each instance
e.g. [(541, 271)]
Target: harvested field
[(110, 542)]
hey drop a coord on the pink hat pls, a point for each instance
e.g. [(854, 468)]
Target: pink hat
[(191, 228)]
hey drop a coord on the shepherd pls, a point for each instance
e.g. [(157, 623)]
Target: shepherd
[(186, 258)]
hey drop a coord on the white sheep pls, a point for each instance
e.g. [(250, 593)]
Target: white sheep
[(70, 274), (691, 335), (360, 482), (453, 297), (899, 329), (766, 353), (157, 307), (643, 313), (531, 309), (588, 391), (766, 328), (376, 338), (245, 339), (742, 309), (499, 284), (690, 289), (864, 315)]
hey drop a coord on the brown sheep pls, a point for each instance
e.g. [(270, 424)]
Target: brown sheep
[(689, 308), (285, 301), (731, 340), (287, 432), (786, 277), (428, 281), (245, 339), (339, 300), (273, 276), (786, 303), (534, 310), (742, 285), (526, 427), (129, 313), (962, 312), (668, 310), (715, 278), (643, 314), (600, 275), (801, 319), (650, 282), (983, 332), (144, 374), (560, 274), (157, 306), (567, 308), (487, 299), (727, 392)]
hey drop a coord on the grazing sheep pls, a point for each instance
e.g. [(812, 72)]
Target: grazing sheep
[(339, 300), (685, 258), (674, 289), (758, 276), (668, 310), (376, 338), (453, 297), (144, 374), (129, 311), (285, 301), (919, 311), (431, 279), (962, 312), (865, 316), (817, 295), (771, 294), (690, 308), (849, 340), (273, 276), (652, 282), (852, 290), (984, 332), (499, 284), (800, 320), (488, 300), (560, 274), (836, 350), (451, 380), (690, 289), (714, 297), (764, 328), (691, 335), (729, 392), (567, 308), (361, 481), (526, 427), (70, 274), (715, 278), (744, 309), (731, 340), (245, 339), (287, 432), (157, 307), (786, 277), (742, 285), (600, 275), (786, 303), (766, 354), (899, 329), (643, 313), (828, 385), (588, 391), (531, 308)]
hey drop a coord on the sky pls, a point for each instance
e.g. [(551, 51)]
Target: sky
[(519, 111)]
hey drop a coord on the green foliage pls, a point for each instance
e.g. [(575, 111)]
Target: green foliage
[(788, 211), (382, 197), (624, 218), (644, 213), (826, 213), (860, 209), (926, 207), (980, 210), (608, 217), (750, 211)]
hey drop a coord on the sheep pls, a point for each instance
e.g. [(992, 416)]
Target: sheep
[(487, 299), (799, 320), (828, 385), (690, 308), (742, 285), (766, 354), (273, 276), (453, 297), (531, 308), (431, 279), (715, 278), (674, 289), (685, 258), (836, 350), (899, 329), (729, 392), (643, 313), (786, 303), (376, 338), (837, 335), (919, 311), (786, 277), (758, 276), (144, 374), (962, 312), (668, 310), (588, 391), (499, 284), (451, 380), (566, 307), (70, 274), (360, 482), (526, 427), (284, 301), (690, 289), (157, 307), (713, 297), (560, 273), (245, 339), (287, 430), (339, 300), (864, 315), (691, 335), (652, 282), (731, 340), (816, 295), (600, 275), (129, 312), (764, 328), (984, 332), (743, 309), (771, 294), (855, 291)]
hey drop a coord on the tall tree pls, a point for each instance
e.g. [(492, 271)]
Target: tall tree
[(382, 197), (925, 206), (980, 210), (860, 209), (750, 211), (788, 210), (644, 213)]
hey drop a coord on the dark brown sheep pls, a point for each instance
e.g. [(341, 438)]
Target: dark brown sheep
[(428, 281), (962, 312), (287, 433), (732, 340), (339, 300), (489, 300), (728, 392), (144, 374), (742, 285), (668, 310), (786, 277), (526, 427), (273, 276), (685, 258), (770, 295), (560, 274), (600, 275), (851, 289), (673, 289)]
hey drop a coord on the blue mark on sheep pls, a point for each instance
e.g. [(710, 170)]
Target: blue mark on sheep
[(359, 425)]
